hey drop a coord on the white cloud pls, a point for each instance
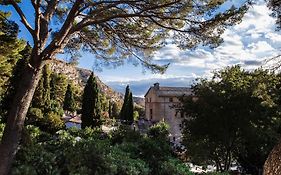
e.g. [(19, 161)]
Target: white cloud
[(247, 43), (254, 39)]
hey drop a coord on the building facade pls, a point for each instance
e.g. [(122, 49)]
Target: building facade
[(159, 102)]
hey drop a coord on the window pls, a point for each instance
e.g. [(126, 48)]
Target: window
[(150, 114), (149, 99), (170, 99)]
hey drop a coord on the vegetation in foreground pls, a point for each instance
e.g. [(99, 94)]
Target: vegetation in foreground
[(90, 151)]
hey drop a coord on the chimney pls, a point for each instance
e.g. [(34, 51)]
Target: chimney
[(156, 86)]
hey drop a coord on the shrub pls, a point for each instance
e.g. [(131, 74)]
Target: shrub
[(159, 130), (34, 115)]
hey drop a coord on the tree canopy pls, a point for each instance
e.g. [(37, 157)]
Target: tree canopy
[(115, 30)]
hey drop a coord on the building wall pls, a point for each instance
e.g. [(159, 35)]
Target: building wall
[(162, 110)]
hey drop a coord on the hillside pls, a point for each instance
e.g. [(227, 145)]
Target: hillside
[(79, 77)]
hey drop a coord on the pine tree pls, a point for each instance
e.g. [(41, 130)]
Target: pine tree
[(91, 112), (69, 101), (126, 114)]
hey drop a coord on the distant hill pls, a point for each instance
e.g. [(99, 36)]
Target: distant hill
[(80, 76)]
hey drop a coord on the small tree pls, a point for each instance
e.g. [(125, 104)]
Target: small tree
[(91, 112), (69, 101)]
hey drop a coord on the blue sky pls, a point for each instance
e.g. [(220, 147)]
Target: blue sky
[(247, 44)]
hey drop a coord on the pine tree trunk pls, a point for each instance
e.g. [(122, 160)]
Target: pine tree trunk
[(16, 117), (272, 165)]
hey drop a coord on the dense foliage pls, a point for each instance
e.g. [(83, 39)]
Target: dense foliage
[(235, 116)]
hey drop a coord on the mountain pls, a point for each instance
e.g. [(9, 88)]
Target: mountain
[(79, 77)]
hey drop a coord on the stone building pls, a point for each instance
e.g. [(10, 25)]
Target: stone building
[(159, 102)]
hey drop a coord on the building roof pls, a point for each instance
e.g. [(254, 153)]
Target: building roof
[(164, 91)]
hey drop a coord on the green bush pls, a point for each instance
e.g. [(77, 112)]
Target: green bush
[(53, 122), (159, 130), (34, 115), (175, 167)]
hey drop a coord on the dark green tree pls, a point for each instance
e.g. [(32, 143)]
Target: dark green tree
[(91, 112), (127, 110), (113, 31), (124, 106), (69, 101), (232, 117)]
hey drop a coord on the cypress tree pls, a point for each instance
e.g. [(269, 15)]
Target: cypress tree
[(91, 112), (126, 114), (69, 101), (130, 109)]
